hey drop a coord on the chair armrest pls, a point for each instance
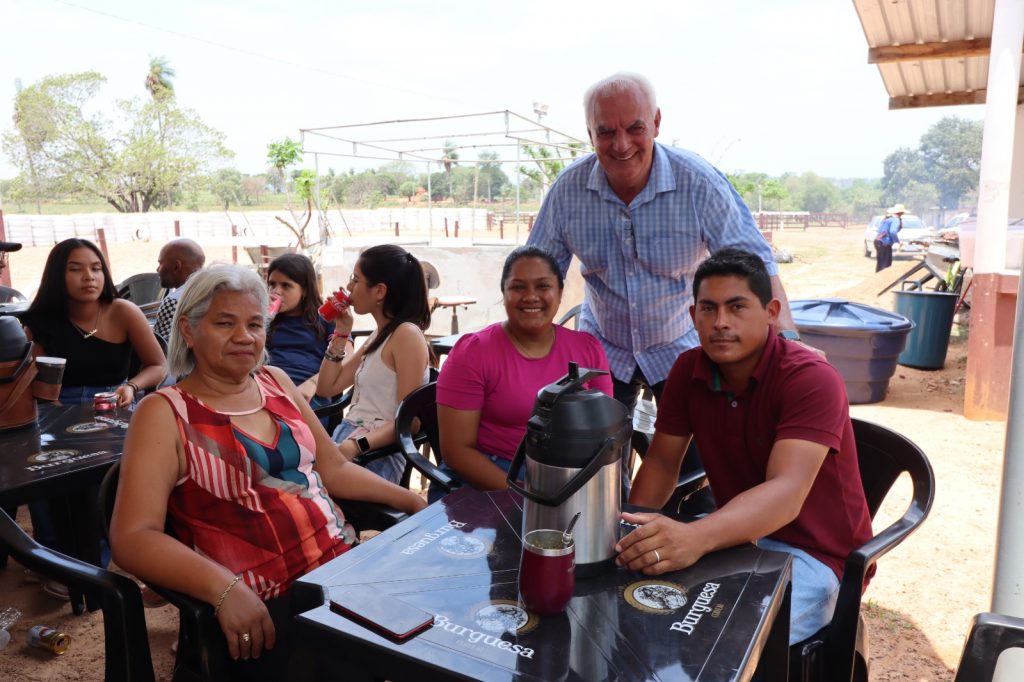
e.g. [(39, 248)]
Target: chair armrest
[(126, 644), (370, 515), (335, 406), (428, 470)]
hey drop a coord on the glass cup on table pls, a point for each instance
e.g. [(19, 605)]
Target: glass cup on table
[(547, 571)]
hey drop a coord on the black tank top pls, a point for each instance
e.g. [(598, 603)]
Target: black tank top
[(91, 361)]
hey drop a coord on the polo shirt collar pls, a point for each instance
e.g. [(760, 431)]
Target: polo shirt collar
[(662, 179), (707, 372)]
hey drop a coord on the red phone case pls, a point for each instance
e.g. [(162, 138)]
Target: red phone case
[(380, 612)]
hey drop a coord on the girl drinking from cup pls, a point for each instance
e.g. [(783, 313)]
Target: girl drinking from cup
[(387, 283), (297, 336)]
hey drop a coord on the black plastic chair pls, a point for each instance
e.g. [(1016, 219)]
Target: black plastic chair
[(990, 635), (202, 650), (9, 295), (135, 363), (125, 639), (334, 413), (838, 652), (141, 288), (571, 316), (421, 404)]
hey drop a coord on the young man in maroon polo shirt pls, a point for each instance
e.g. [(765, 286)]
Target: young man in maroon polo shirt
[(772, 425)]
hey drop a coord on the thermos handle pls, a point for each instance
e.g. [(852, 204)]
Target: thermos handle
[(569, 489), (26, 359), (513, 475)]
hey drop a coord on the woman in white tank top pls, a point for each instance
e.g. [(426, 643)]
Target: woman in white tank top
[(387, 283)]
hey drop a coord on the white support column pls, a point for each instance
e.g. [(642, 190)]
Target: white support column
[(997, 145), (990, 257)]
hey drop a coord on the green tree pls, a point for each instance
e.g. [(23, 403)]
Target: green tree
[(36, 128), (951, 150), (492, 178), (449, 159), (862, 198), (149, 151), (900, 168), (281, 155), (158, 80), (548, 163), (408, 189), (226, 185), (818, 194), (773, 190)]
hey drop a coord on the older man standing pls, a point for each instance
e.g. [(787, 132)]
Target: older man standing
[(640, 217), (177, 261)]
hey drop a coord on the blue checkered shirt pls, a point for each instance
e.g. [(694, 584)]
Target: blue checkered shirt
[(638, 261)]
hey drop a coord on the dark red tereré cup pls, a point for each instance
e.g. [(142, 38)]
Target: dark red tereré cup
[(547, 572), (334, 304)]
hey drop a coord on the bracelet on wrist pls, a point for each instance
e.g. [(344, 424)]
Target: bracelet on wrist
[(134, 386), (332, 357), (224, 594)]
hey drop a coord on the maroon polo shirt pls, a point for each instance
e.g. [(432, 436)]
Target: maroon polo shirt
[(793, 393)]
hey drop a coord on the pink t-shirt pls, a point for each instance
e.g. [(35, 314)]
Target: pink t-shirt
[(485, 372)]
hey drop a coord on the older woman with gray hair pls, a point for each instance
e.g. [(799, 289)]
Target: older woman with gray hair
[(234, 458)]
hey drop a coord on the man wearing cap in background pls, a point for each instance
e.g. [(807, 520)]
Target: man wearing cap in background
[(888, 235), (177, 261)]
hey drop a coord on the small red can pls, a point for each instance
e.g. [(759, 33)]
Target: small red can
[(333, 306), (104, 402)]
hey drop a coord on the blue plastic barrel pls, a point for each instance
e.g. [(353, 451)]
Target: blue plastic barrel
[(861, 342), (932, 312)]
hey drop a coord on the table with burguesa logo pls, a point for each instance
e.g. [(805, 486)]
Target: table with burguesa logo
[(63, 458), (459, 558)]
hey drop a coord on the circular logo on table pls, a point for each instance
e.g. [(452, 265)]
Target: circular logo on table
[(88, 427), (52, 456), (503, 615), (655, 596), (463, 546)]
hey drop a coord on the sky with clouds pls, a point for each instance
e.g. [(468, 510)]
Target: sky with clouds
[(781, 86)]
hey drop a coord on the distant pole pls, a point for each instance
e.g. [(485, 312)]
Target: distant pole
[(101, 237)]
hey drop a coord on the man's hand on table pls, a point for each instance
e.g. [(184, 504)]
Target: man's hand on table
[(659, 545)]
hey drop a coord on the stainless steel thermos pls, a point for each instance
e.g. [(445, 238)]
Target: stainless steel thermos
[(572, 450)]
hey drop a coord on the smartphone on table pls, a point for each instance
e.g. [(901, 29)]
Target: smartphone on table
[(379, 611)]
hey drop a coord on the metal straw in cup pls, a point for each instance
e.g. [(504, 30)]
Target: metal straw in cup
[(567, 533)]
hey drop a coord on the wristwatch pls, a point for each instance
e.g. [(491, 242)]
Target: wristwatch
[(790, 334), (363, 443)]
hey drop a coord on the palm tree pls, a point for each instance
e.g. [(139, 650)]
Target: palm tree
[(158, 80), (449, 159)]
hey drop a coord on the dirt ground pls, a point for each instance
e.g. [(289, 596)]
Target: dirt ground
[(918, 607)]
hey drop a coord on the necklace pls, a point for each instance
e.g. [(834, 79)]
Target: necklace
[(521, 347), (96, 326)]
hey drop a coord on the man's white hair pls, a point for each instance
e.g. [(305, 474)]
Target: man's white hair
[(612, 85)]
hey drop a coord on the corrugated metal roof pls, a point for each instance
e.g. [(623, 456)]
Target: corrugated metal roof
[(929, 52)]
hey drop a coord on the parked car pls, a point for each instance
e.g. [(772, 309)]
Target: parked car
[(914, 237)]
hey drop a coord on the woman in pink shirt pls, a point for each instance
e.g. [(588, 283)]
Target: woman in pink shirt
[(489, 382)]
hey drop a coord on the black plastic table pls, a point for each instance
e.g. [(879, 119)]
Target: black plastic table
[(63, 459), (458, 559), (443, 345)]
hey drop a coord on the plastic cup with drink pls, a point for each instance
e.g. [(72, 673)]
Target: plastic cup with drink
[(50, 373)]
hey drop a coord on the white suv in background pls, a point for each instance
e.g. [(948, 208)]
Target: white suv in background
[(915, 235)]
